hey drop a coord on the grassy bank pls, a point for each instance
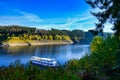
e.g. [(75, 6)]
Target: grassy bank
[(98, 65), (29, 39), (34, 42)]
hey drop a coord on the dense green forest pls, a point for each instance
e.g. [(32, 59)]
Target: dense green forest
[(17, 33)]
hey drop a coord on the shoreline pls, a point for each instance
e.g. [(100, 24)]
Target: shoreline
[(32, 43)]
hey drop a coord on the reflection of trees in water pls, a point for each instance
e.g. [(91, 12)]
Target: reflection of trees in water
[(49, 48), (51, 51), (21, 50), (3, 51), (33, 50), (62, 53), (43, 50)]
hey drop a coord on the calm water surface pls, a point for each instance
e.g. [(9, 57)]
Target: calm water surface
[(61, 53)]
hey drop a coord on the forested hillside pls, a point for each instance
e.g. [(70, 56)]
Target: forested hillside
[(19, 33)]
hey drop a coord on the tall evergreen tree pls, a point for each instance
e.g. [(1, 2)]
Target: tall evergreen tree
[(109, 11)]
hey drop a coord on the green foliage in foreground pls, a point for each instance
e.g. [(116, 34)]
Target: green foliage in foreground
[(99, 64), (104, 56), (18, 71)]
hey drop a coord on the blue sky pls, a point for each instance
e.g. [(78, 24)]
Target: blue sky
[(47, 14)]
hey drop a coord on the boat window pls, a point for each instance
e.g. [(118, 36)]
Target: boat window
[(44, 63)]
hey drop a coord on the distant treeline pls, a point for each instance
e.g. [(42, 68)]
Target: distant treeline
[(16, 29), (31, 33)]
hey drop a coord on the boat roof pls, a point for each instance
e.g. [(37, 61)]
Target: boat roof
[(39, 58)]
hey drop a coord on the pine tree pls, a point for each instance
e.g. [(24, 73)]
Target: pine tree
[(109, 12)]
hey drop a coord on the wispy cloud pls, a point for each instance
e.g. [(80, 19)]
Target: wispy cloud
[(29, 16), (34, 20), (19, 17), (83, 21), (22, 19), (75, 20), (69, 23)]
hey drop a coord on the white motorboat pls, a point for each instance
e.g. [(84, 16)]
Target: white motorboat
[(43, 61)]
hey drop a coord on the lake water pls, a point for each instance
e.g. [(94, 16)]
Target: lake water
[(61, 53)]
